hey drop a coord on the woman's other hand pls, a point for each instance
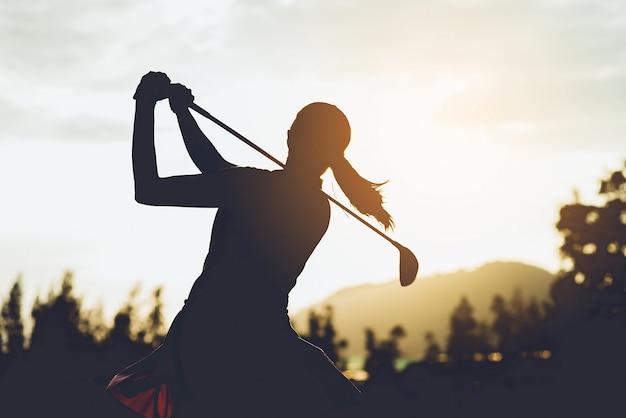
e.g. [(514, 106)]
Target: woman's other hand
[(153, 87), (180, 98)]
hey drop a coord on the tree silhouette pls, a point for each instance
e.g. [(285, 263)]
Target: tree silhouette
[(3, 349), (382, 355), (12, 320), (503, 325), (57, 325), (432, 352), (127, 339), (93, 323), (467, 336), (155, 326), (322, 333), (594, 249), (516, 324)]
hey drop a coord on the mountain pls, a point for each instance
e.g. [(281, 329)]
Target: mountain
[(426, 305)]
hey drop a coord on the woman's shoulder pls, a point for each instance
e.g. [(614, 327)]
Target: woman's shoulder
[(243, 171), (250, 183), (239, 175)]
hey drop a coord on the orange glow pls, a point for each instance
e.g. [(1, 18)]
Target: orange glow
[(592, 218), (579, 278), (544, 354), (478, 357), (589, 248), (442, 358), (496, 357), (567, 264), (356, 375)]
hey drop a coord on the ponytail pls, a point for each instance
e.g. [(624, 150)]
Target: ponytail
[(364, 195), (327, 131)]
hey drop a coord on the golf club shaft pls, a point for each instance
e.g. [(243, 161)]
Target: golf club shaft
[(207, 115)]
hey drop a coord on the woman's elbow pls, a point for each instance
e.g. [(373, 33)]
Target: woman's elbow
[(141, 198), (145, 196)]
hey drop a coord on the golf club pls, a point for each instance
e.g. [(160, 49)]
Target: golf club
[(408, 262)]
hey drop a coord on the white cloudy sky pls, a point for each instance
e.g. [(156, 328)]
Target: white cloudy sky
[(484, 115)]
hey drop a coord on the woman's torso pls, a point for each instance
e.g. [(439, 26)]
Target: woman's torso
[(262, 237)]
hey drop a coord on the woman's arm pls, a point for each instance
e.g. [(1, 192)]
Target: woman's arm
[(197, 191), (204, 155), (144, 156)]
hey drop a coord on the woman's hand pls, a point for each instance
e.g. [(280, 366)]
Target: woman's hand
[(153, 87), (180, 98)]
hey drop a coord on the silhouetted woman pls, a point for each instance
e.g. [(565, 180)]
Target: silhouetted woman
[(231, 351)]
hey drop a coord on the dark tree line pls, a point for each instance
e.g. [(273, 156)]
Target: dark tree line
[(514, 332), (61, 325), (592, 281), (381, 354), (65, 362)]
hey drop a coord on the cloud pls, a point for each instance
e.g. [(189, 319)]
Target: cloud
[(534, 63), (562, 80)]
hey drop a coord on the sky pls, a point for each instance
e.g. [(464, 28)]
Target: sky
[(484, 116)]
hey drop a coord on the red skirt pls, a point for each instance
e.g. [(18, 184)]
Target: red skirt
[(150, 385)]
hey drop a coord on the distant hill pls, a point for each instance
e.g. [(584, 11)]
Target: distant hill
[(426, 304)]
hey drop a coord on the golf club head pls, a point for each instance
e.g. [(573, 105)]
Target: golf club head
[(408, 265)]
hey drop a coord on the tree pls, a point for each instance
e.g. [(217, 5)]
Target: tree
[(122, 333), (594, 248), (516, 324), (93, 323), (58, 321), (322, 333), (382, 355), (2, 338), (12, 319), (432, 351), (155, 327), (503, 325), (467, 335)]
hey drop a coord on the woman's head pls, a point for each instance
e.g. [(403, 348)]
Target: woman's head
[(320, 133), (317, 140)]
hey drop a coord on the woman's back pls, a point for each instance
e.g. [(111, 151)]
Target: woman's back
[(267, 228)]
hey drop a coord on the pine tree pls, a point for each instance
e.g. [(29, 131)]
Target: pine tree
[(12, 319), (467, 336), (155, 328), (382, 355), (433, 350), (58, 321), (322, 333)]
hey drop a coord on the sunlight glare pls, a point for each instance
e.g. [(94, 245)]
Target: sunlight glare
[(579, 278), (495, 357), (589, 248), (442, 358), (478, 357)]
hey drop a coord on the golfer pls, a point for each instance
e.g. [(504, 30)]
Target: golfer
[(231, 351)]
